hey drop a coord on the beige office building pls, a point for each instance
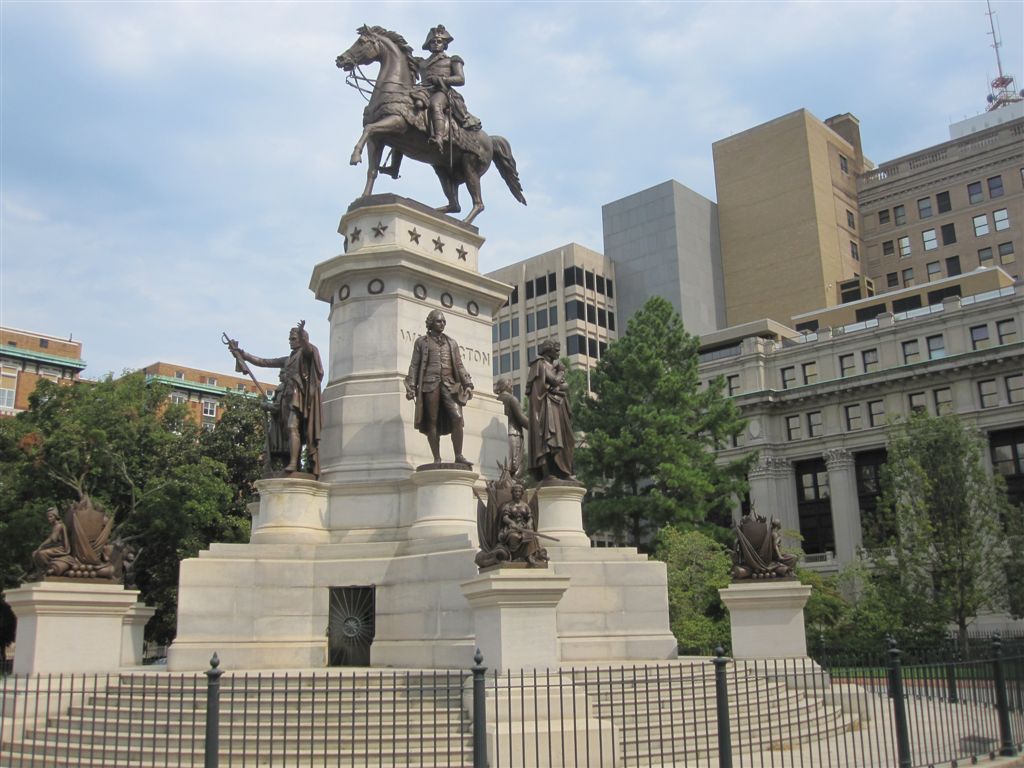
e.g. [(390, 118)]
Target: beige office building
[(566, 294), (787, 212)]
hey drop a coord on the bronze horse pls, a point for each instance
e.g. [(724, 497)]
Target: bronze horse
[(393, 119)]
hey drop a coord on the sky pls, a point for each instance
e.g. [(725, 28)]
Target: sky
[(172, 170)]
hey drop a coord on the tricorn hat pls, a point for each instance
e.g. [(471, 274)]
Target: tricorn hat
[(438, 31)]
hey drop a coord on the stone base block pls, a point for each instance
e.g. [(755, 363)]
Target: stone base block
[(767, 618), (133, 636), (444, 504), (560, 514), (291, 510), (514, 617), (239, 654), (66, 626)]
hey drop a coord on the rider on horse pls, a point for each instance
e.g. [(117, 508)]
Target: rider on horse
[(438, 73)]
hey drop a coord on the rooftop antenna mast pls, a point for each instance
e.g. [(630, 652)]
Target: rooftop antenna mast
[(1002, 90)]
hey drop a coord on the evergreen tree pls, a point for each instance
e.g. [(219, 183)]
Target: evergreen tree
[(947, 557), (652, 432)]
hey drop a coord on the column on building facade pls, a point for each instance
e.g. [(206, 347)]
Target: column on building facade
[(773, 490), (842, 483)]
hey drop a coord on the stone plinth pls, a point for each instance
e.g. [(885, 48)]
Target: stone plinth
[(291, 510), (133, 638), (67, 626), (444, 504), (514, 617), (402, 260), (767, 618), (560, 514)]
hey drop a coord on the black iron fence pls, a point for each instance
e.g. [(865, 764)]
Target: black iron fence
[(718, 713)]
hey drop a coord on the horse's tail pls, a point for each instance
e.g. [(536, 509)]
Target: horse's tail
[(507, 167)]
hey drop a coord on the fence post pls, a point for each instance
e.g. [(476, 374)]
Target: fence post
[(722, 700), (899, 706), (211, 758), (1006, 748), (479, 712), (954, 657)]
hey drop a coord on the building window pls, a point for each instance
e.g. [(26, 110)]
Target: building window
[(591, 314), (542, 319), (929, 240), (611, 318), (984, 257), (1015, 388), (240, 387), (870, 359), (1008, 460), (851, 222), (1006, 331), (515, 327), (44, 343), (179, 375), (602, 317), (531, 323), (916, 401), (813, 507), (942, 201), (924, 208), (911, 351), (209, 408), (943, 400), (988, 395), (974, 194), (552, 316), (908, 277), (514, 298), (1001, 219), (529, 289), (953, 266), (732, 383), (979, 337), (876, 413), (609, 292), (814, 424), (177, 398), (844, 164), (515, 360), (8, 386), (892, 280), (904, 243), (936, 347), (788, 377), (934, 271), (980, 224), (888, 248), (1005, 253), (810, 371), (552, 282), (948, 234), (503, 330), (845, 365), (883, 216), (995, 186), (792, 428), (211, 380), (599, 282), (854, 251), (853, 420), (588, 280), (899, 215)]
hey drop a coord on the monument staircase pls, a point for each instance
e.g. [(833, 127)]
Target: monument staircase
[(660, 714)]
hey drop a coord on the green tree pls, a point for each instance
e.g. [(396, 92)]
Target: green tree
[(946, 558), (652, 432), (698, 566), (147, 463)]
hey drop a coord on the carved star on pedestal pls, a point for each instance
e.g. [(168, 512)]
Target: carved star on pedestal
[(462, 253), (354, 234), (414, 236), (438, 244), (380, 229)]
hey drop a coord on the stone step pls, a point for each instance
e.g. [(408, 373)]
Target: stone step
[(265, 717)]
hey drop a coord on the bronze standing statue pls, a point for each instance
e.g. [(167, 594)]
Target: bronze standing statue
[(297, 415), (551, 437), (517, 422), (440, 385), (428, 122)]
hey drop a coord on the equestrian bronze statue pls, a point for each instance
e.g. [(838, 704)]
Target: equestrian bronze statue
[(415, 110)]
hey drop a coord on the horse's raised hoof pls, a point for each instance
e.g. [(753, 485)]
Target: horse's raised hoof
[(356, 159)]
